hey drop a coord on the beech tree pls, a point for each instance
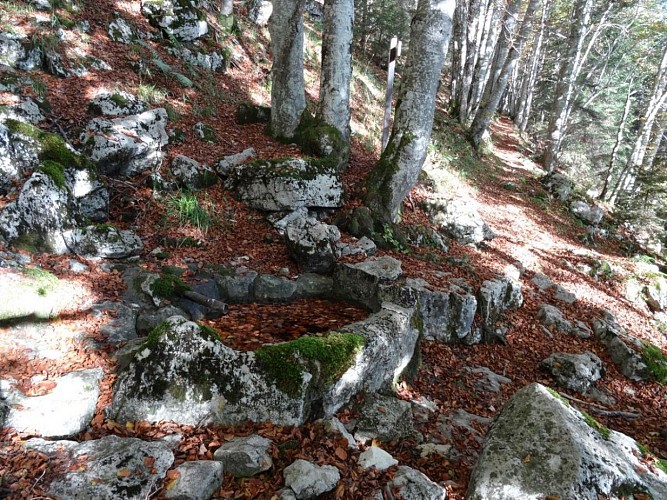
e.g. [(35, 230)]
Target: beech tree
[(397, 170), (336, 72), (288, 98), (507, 54)]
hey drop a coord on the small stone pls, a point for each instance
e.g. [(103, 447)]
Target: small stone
[(376, 457), (197, 480), (245, 456), (308, 480)]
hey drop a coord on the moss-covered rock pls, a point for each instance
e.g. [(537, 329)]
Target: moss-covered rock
[(323, 141), (250, 113), (327, 357)]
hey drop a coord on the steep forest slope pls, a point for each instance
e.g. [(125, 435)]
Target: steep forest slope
[(559, 259)]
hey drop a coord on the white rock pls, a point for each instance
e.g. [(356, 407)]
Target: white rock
[(308, 480), (376, 457)]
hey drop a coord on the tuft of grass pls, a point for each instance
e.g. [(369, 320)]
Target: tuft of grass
[(189, 211), (151, 94)]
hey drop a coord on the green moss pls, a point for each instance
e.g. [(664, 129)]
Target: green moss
[(43, 281), (602, 430), (659, 462), (52, 146), (329, 357), (119, 100), (323, 141), (168, 286), (656, 362), (55, 171), (557, 395), (209, 332), (379, 192), (156, 334)]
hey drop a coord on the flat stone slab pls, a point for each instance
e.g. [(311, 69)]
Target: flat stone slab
[(63, 412), (110, 467)]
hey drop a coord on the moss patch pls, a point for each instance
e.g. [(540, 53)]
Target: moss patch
[(331, 355), (323, 141), (52, 146), (656, 361), (602, 430), (55, 171), (168, 286)]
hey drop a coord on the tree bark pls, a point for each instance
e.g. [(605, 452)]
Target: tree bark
[(472, 52), (481, 73), (288, 99), (567, 76), (398, 168), (495, 90), (617, 142), (528, 85), (336, 72)]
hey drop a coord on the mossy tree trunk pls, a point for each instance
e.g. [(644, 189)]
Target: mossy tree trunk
[(288, 99), (398, 168), (336, 73)]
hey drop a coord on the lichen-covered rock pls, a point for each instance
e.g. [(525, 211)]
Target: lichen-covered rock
[(494, 298), (461, 220), (116, 103), (286, 185), (63, 412), (91, 194), (308, 480), (311, 244), (311, 285), (245, 456), (251, 113), (147, 320), (181, 19), (411, 484), (224, 165), (577, 372), (119, 30), (656, 293), (105, 242), (197, 480), (191, 175), (110, 467), (186, 374), (445, 315), (384, 418), (26, 111), (210, 61), (363, 245), (624, 349), (238, 287), (129, 145), (541, 447), (269, 288), (42, 217), (122, 325), (17, 51), (558, 185), (361, 282), (590, 214), (260, 12)]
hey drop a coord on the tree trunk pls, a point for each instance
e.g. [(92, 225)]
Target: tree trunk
[(618, 142), (481, 73), (398, 168), (567, 76), (474, 25), (288, 99), (336, 72), (494, 90), (458, 51), (528, 84)]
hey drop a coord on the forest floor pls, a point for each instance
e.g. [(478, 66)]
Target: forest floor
[(530, 229)]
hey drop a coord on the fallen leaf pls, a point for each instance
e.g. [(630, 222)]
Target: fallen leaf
[(341, 453)]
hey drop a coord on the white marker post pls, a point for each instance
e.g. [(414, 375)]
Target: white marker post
[(394, 52)]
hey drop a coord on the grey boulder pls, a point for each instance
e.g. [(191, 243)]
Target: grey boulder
[(541, 447), (577, 372), (110, 467), (105, 242), (311, 244), (197, 480), (460, 219)]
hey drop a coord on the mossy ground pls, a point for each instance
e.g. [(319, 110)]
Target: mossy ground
[(332, 355), (55, 171)]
